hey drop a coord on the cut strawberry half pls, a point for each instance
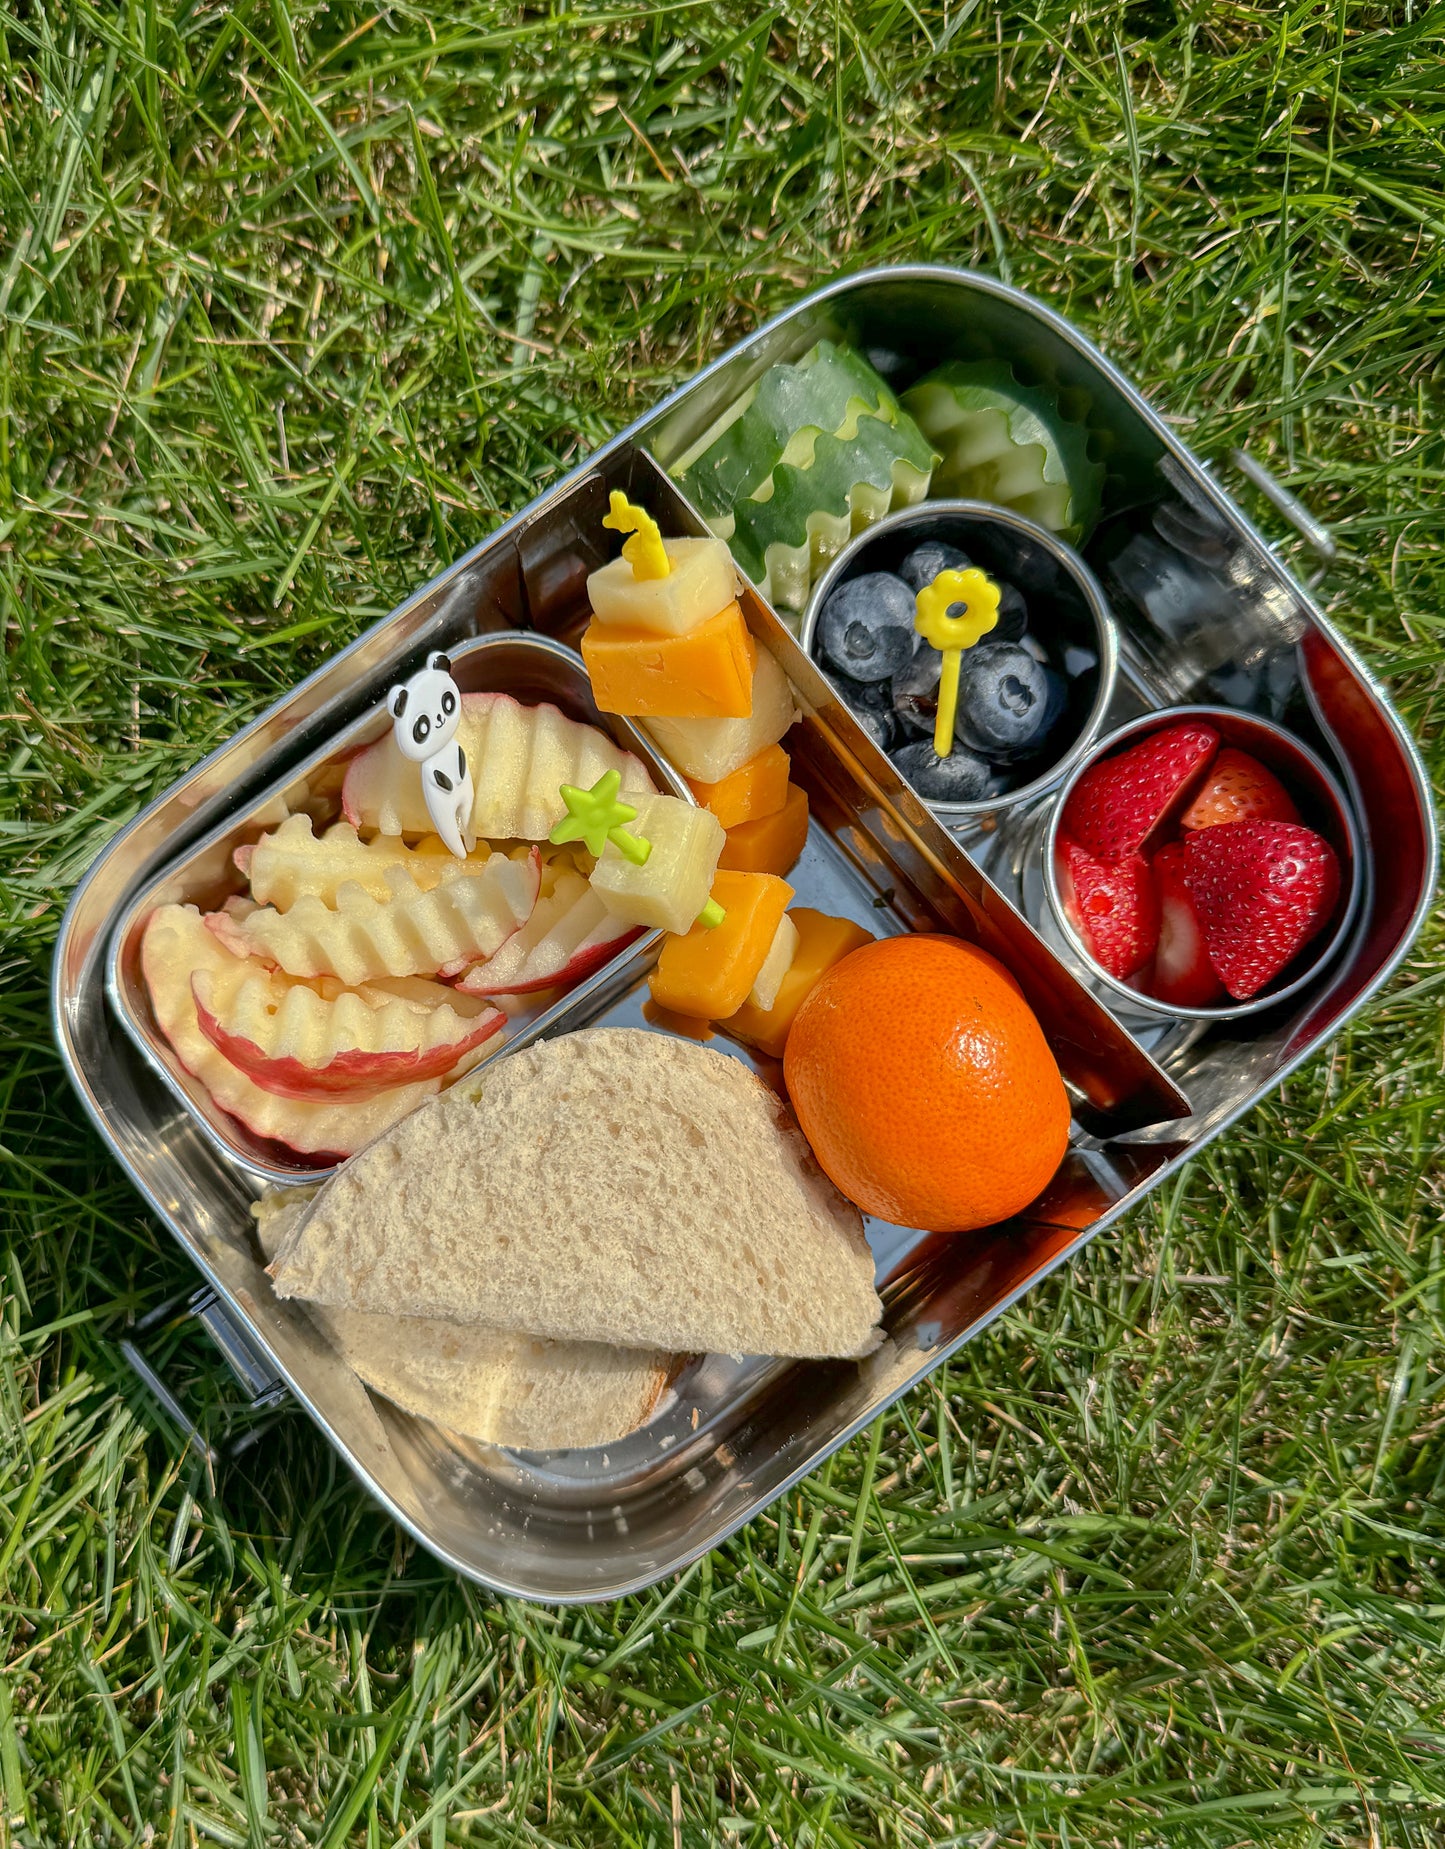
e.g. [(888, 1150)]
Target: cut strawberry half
[(1182, 975), (1118, 803), (1238, 788), (1114, 908), (1262, 890)]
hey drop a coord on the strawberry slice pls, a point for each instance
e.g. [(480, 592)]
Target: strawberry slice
[(1239, 788), (1114, 909), (1182, 975), (1119, 802), (1262, 891)]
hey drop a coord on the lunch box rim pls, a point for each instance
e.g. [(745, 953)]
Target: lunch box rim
[(63, 1003)]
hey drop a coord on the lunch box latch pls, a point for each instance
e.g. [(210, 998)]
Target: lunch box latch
[(261, 1385)]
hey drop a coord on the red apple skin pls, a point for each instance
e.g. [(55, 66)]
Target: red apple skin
[(320, 1130), (583, 963), (350, 1072), (226, 931)]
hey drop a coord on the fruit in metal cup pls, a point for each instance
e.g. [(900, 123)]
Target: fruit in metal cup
[(1220, 866)]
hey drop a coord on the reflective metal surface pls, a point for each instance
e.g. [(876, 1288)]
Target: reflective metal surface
[(590, 1525)]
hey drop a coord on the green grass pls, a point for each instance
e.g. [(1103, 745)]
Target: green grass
[(295, 305)]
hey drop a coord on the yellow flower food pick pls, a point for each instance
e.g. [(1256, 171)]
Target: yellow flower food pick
[(644, 552), (951, 629)]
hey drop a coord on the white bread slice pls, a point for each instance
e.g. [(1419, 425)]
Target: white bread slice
[(501, 1389), (612, 1186)]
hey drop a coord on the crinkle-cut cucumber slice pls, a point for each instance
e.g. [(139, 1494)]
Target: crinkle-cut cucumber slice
[(790, 571), (831, 388), (838, 468), (1008, 443), (787, 577)]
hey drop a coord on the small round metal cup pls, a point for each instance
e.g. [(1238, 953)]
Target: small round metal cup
[(1322, 806), (1065, 603)]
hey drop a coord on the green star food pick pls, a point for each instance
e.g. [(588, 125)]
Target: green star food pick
[(595, 817)]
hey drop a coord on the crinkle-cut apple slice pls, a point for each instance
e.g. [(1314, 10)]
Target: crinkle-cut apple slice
[(291, 1041), (176, 946), (519, 757), (225, 927), (420, 991), (414, 933), (292, 863), (571, 933)]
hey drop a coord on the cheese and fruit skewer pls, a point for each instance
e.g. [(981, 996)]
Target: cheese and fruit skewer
[(667, 646), (661, 651)]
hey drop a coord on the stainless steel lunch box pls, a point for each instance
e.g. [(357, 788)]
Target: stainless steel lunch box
[(568, 1527)]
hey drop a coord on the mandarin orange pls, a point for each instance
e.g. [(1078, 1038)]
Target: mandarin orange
[(924, 1083)]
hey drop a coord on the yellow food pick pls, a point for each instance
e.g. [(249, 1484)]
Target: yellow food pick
[(946, 627), (644, 552)]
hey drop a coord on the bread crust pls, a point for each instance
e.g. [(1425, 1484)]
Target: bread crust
[(492, 1387)]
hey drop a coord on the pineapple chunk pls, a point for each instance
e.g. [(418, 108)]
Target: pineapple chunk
[(776, 965), (707, 750), (702, 582), (673, 884)]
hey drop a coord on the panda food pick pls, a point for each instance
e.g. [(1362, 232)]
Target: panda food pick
[(426, 711)]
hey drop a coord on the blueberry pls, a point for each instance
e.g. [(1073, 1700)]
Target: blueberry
[(915, 692), (865, 629), (864, 696), (882, 727), (1057, 702), (1006, 702), (1032, 644), (1013, 614), (871, 705), (925, 561), (1045, 742), (1079, 661), (961, 777)]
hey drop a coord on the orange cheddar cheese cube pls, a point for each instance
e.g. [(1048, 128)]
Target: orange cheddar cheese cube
[(753, 790), (772, 843), (708, 973), (822, 942), (705, 674)]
